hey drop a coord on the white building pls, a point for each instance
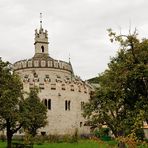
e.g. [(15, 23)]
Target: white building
[(60, 90)]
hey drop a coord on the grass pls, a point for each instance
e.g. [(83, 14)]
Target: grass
[(2, 144), (80, 144), (87, 144)]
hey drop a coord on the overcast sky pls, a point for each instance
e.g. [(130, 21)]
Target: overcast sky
[(75, 27)]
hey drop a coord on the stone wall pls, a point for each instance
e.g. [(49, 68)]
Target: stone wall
[(59, 86), (23, 64)]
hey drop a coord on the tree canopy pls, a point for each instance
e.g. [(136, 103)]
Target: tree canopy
[(121, 101), (16, 111), (10, 97), (34, 112)]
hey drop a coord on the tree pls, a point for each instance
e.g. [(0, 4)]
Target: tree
[(15, 111), (34, 113), (121, 101), (10, 98)]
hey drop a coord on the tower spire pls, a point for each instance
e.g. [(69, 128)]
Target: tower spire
[(69, 58), (40, 20), (41, 41)]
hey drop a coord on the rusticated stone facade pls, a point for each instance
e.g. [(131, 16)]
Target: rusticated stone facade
[(61, 91)]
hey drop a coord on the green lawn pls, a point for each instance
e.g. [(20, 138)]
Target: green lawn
[(80, 144), (69, 145), (2, 144)]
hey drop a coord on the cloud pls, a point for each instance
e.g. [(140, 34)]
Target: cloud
[(75, 27)]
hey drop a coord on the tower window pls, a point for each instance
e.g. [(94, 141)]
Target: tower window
[(42, 48), (67, 105), (45, 101), (49, 104)]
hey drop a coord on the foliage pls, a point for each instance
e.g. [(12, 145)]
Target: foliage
[(140, 134), (96, 133), (15, 112), (101, 132), (56, 138), (34, 113), (10, 98), (132, 141), (60, 138), (121, 101), (41, 139), (93, 80), (2, 137), (104, 131)]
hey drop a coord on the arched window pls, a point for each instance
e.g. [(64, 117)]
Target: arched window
[(45, 101), (66, 105), (42, 48), (49, 104)]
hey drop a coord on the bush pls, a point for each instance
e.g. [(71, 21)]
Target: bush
[(105, 138), (103, 134), (65, 138), (97, 133), (3, 137), (40, 139), (86, 136), (140, 134), (54, 139), (104, 131)]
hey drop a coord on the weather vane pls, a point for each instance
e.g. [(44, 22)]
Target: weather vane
[(41, 20), (69, 58)]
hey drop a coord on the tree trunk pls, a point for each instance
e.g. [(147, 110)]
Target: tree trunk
[(9, 134), (9, 141)]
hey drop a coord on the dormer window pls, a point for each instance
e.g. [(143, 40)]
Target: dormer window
[(42, 48)]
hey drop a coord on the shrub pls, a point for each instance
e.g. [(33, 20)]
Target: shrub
[(97, 133), (140, 134), (104, 131), (86, 136), (3, 137), (40, 139), (54, 138), (103, 134)]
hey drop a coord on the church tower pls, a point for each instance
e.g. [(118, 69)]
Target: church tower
[(41, 41)]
